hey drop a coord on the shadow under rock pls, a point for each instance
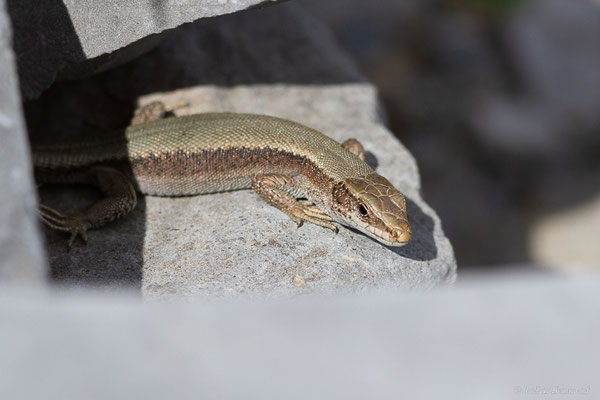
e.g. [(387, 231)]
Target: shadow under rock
[(244, 48), (371, 160), (112, 255), (44, 41)]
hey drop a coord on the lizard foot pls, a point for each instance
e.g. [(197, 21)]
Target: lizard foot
[(301, 212), (275, 190), (66, 223)]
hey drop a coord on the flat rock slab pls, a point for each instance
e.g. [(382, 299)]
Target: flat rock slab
[(230, 244), (502, 339)]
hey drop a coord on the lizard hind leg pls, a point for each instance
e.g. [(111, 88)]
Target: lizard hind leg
[(119, 199), (275, 188), (65, 223)]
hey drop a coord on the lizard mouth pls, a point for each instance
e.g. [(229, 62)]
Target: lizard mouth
[(392, 236)]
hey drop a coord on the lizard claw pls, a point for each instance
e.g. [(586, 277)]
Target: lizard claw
[(303, 212), (79, 231), (274, 189), (66, 223)]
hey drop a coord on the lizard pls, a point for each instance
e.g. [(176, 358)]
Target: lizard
[(292, 167)]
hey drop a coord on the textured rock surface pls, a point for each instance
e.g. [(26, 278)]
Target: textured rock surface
[(230, 244), (21, 255), (501, 340), (55, 37)]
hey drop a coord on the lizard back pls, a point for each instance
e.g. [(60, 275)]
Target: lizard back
[(210, 152)]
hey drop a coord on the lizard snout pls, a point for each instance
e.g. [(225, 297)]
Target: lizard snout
[(400, 234)]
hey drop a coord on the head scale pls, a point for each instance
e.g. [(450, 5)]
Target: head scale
[(372, 205)]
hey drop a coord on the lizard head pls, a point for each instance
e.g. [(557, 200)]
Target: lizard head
[(373, 206)]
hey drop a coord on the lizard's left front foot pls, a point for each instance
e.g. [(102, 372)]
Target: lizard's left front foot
[(154, 111), (355, 147), (306, 211)]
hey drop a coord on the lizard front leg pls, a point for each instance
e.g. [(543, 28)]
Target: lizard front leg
[(120, 198), (275, 190), (355, 147)]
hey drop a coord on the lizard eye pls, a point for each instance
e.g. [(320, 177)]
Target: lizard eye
[(362, 210)]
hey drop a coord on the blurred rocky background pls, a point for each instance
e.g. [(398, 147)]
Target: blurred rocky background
[(499, 101)]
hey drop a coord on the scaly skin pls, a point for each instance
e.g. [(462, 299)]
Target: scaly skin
[(281, 160)]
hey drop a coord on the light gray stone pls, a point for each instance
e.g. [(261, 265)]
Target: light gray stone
[(232, 244), (21, 253), (56, 38), (496, 339)]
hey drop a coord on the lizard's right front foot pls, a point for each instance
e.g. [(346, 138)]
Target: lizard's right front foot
[(274, 189), (305, 210), (65, 223)]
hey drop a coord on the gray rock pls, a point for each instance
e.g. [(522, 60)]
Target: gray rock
[(55, 38), (232, 244), (498, 339), (21, 254)]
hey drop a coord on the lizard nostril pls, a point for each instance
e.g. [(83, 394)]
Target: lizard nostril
[(404, 236), (400, 235)]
